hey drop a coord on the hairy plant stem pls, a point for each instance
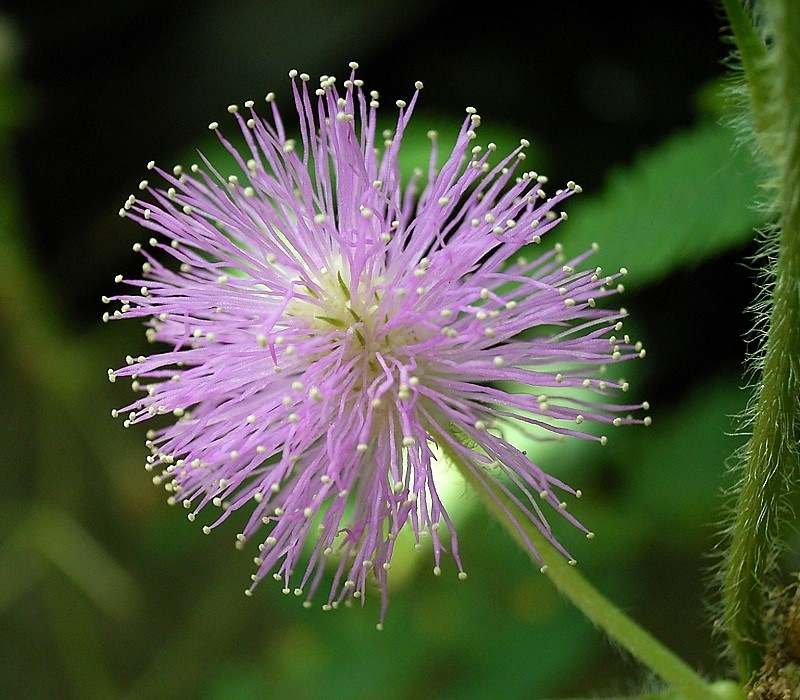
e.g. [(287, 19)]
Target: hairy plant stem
[(581, 593), (752, 53), (770, 458)]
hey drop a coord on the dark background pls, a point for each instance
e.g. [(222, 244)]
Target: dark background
[(106, 592)]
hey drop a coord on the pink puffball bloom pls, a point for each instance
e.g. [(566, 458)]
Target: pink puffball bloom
[(326, 327)]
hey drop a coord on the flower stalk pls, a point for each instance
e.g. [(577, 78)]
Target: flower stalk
[(571, 583), (770, 458)]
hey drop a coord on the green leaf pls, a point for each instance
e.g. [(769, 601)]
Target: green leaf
[(688, 199), (682, 454)]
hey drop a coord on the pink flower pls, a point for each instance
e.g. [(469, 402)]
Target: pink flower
[(326, 326)]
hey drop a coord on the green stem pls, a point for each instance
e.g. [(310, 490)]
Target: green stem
[(581, 593), (753, 56), (770, 459)]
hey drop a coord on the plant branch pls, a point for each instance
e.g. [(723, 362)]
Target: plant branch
[(770, 458), (752, 54), (580, 592)]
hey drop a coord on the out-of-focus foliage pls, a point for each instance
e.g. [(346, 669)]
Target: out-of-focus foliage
[(691, 197)]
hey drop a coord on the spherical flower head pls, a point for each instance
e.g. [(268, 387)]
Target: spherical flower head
[(328, 328)]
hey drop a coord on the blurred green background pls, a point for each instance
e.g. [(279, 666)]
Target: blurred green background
[(106, 592)]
